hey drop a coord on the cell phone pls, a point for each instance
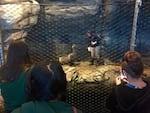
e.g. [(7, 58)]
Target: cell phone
[(122, 75)]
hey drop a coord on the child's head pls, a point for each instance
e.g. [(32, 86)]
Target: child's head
[(39, 83), (132, 64), (59, 82), (18, 53), (47, 83)]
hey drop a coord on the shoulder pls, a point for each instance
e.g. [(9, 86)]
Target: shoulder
[(32, 106), (18, 110), (64, 107), (121, 89), (25, 108)]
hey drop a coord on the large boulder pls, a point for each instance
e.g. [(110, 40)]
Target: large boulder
[(73, 9), (85, 73), (12, 1), (16, 16)]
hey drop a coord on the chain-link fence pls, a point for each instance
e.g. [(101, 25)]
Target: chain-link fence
[(54, 35), (59, 27), (143, 29)]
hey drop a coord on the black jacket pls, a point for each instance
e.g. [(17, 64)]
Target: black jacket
[(124, 99)]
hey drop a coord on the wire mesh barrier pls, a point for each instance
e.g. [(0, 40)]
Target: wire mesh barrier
[(143, 28), (59, 27), (54, 35), (57, 30), (89, 97)]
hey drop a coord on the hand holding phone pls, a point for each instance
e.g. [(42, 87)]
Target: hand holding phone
[(123, 76), (118, 80)]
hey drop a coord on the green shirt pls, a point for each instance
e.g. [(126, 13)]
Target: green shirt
[(45, 107), (14, 93)]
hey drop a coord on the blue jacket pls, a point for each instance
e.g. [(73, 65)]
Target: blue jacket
[(94, 41)]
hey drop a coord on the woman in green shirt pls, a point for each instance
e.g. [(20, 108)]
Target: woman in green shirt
[(47, 91), (13, 75)]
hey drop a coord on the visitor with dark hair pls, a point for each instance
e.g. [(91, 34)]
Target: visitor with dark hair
[(94, 47), (132, 93), (13, 75), (47, 90)]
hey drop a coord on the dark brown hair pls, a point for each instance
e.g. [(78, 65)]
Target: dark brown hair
[(59, 82), (132, 64), (39, 83), (17, 58), (47, 83)]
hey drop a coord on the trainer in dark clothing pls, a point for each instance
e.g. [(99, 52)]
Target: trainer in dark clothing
[(94, 45)]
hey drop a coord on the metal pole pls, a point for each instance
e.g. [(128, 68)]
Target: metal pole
[(1, 49), (133, 36)]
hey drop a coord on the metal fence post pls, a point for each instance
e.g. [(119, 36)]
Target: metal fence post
[(133, 36), (1, 49)]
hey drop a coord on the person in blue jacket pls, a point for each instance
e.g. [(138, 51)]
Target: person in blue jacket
[(94, 47)]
